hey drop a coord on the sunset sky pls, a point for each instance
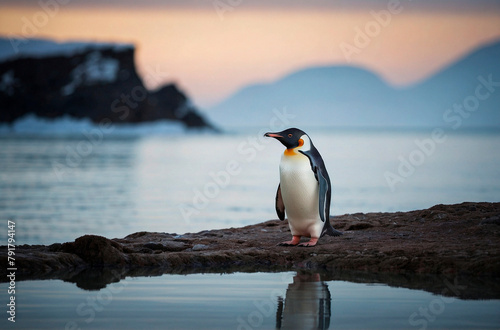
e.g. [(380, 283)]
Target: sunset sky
[(212, 52)]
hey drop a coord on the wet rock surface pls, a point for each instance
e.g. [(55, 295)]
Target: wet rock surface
[(435, 247)]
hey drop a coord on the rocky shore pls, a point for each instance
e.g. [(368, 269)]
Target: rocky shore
[(411, 249)]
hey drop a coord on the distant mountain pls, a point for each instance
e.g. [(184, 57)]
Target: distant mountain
[(456, 85), (350, 96), (98, 81)]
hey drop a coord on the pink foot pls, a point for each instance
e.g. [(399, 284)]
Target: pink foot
[(312, 242), (295, 240)]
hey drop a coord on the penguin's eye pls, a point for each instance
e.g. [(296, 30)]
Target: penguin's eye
[(290, 135)]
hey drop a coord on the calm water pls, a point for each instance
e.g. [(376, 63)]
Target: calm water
[(243, 301), (59, 188)]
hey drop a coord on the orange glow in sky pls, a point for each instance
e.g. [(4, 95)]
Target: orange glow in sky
[(211, 57)]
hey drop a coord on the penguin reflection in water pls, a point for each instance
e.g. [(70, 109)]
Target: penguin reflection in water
[(304, 190), (307, 304)]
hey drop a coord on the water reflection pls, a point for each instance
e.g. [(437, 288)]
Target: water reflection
[(483, 287), (307, 304), (146, 299)]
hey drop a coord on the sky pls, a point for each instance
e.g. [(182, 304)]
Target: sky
[(213, 48)]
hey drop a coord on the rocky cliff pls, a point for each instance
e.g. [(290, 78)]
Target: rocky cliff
[(84, 80)]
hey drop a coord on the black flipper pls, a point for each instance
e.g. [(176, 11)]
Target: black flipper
[(325, 192), (324, 205), (324, 188), (280, 206)]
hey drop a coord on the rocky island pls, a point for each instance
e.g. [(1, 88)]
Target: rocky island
[(98, 81), (425, 249)]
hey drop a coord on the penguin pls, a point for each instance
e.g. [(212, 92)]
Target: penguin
[(304, 190), (307, 304)]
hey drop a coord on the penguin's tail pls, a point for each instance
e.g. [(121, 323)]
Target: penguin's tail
[(329, 230)]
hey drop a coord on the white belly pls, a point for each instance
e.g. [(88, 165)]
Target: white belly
[(300, 192)]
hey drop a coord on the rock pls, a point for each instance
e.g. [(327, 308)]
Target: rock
[(494, 220), (464, 243), (97, 250), (93, 80), (154, 246), (359, 226), (174, 246), (199, 247)]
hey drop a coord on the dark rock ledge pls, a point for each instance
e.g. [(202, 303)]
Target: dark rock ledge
[(425, 249)]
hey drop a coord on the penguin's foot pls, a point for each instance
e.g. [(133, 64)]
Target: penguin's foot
[(312, 242), (295, 240)]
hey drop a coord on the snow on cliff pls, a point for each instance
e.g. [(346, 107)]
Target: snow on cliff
[(13, 48), (95, 69)]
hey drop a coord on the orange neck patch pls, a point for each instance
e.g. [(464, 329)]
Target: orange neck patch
[(291, 152)]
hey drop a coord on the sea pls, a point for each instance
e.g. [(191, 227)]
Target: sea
[(63, 179)]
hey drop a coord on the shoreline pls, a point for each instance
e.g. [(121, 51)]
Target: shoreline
[(460, 241)]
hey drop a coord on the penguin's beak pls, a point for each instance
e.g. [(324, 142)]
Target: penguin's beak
[(274, 135), (280, 138)]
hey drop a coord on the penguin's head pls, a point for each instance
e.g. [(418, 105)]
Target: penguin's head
[(292, 139)]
